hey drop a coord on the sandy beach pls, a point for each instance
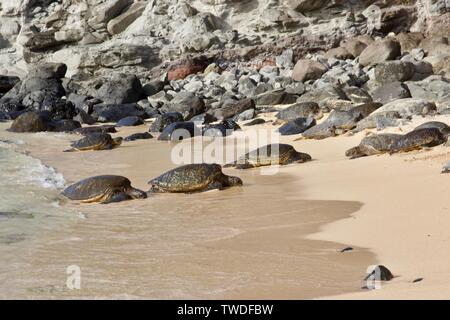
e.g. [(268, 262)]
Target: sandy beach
[(396, 206)]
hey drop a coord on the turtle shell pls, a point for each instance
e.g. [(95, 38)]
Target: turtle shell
[(269, 154), (187, 178), (95, 187), (92, 141)]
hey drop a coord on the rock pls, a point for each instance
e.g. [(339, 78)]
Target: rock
[(138, 136), (232, 108), (203, 118), (66, 125), (338, 53), (354, 46), (297, 88), (392, 71), (434, 88), (300, 110), (185, 103), (164, 120), (116, 112), (245, 115), (7, 83), (107, 11), (85, 131), (320, 95), (255, 122), (308, 70), (379, 273), (120, 23), (408, 107), (178, 131), (306, 5), (183, 68), (379, 121), (297, 126), (121, 89), (357, 95), (247, 86), (390, 92), (153, 87), (84, 118), (130, 121), (380, 51), (222, 129), (29, 122), (212, 68), (409, 41), (285, 60), (271, 97)]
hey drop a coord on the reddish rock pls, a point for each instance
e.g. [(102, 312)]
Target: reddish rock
[(185, 67), (308, 70)]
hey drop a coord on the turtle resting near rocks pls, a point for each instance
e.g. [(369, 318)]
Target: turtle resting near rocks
[(393, 143), (103, 189), (443, 127), (95, 141), (272, 154), (193, 178)]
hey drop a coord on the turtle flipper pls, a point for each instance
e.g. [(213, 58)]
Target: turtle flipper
[(216, 185), (244, 166), (70, 150), (116, 197)]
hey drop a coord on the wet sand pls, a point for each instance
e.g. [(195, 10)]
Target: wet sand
[(239, 243)]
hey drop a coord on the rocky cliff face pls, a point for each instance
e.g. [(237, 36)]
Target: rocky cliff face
[(95, 36)]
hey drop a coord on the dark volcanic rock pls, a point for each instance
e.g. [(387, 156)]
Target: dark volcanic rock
[(7, 83), (185, 103), (270, 97), (178, 131), (392, 71), (85, 131), (232, 108), (115, 112), (139, 136), (130, 121), (29, 122), (120, 89), (296, 126), (255, 122), (66, 125), (390, 92), (204, 118), (164, 120)]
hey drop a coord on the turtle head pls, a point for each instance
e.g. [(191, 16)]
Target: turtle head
[(136, 193), (354, 153), (233, 181), (118, 141), (299, 157)]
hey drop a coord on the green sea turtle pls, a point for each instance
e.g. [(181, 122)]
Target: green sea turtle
[(95, 141), (193, 178), (104, 189), (393, 143), (272, 154)]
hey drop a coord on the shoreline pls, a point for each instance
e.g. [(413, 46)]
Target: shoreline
[(403, 206), (249, 238)]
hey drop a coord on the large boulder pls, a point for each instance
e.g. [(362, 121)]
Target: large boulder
[(120, 23), (186, 103), (390, 92), (183, 68), (308, 70), (380, 51), (29, 122), (434, 88), (116, 112), (307, 5), (392, 71), (232, 108), (164, 120), (407, 107), (7, 83), (296, 126), (120, 89)]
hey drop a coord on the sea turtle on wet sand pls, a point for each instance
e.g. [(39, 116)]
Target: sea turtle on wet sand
[(272, 154), (103, 189), (443, 127), (95, 141), (446, 168), (193, 178)]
